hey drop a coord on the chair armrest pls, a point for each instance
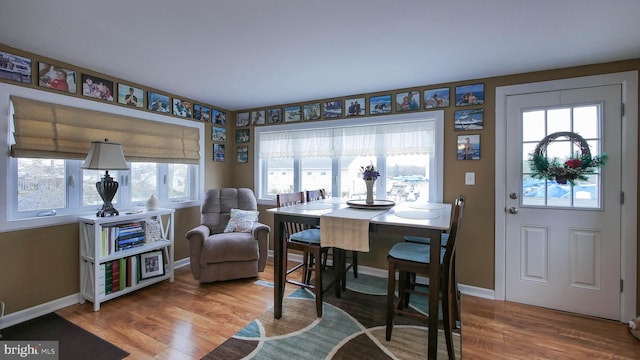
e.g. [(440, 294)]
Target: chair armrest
[(261, 234), (196, 238)]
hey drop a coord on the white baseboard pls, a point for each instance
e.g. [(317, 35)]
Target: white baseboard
[(38, 310)]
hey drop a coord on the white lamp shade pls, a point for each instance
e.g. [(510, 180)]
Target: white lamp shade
[(105, 156)]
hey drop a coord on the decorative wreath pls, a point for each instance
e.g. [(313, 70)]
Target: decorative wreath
[(572, 169)]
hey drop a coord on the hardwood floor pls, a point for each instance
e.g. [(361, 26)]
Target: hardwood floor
[(186, 320)]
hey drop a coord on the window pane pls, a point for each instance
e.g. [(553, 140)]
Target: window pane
[(533, 125), (351, 184), (316, 173), (143, 181), (558, 120), (585, 121), (279, 176), (407, 178), (41, 184), (178, 181)]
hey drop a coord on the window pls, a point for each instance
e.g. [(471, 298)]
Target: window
[(407, 149)]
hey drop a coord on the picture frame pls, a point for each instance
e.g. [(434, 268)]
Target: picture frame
[(97, 88), (218, 152), (218, 134), (182, 108), (151, 264), (380, 104), (242, 136), (468, 147), (129, 95), (242, 154), (242, 119), (470, 95), (436, 98), (274, 116), (407, 101), (158, 102), (257, 117), (15, 68), (332, 109), (201, 112), (311, 112), (57, 78), (292, 114), (355, 107), (218, 117), (472, 119)]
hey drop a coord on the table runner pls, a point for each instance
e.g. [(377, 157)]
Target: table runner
[(347, 228)]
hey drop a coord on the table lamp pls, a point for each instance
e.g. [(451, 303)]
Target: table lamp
[(106, 156)]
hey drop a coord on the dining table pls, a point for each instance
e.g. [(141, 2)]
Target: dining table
[(357, 220)]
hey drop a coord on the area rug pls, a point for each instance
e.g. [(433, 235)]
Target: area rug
[(352, 327), (73, 341)]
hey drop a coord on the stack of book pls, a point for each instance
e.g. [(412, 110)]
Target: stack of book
[(122, 237)]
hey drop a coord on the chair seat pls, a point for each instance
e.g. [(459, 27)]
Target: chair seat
[(425, 240), (413, 252), (309, 236)]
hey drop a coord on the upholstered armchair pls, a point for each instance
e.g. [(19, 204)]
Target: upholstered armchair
[(217, 255)]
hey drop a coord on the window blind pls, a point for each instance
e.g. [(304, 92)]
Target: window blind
[(47, 130)]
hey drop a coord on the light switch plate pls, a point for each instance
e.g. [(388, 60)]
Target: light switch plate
[(470, 178)]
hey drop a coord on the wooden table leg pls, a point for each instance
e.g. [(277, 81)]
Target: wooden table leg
[(278, 266)]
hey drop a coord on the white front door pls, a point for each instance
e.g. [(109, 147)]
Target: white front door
[(563, 241)]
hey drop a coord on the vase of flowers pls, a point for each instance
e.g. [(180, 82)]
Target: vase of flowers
[(369, 175)]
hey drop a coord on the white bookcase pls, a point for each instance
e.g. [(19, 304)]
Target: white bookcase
[(96, 255)]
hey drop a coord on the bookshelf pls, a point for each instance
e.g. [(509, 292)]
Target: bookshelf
[(120, 254)]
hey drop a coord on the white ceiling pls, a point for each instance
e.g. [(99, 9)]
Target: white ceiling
[(242, 54)]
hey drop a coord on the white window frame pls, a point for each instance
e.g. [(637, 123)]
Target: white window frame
[(7, 207), (437, 166)]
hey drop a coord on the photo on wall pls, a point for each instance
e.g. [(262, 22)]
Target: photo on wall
[(218, 134), (470, 95), (182, 108), (242, 119), (469, 119), (219, 117), (355, 107), (468, 147), (129, 95), (257, 117), (292, 114), (436, 98), (242, 154), (311, 111), (201, 112), (57, 78), (274, 116), (218, 152), (380, 104), (332, 109), (158, 102), (242, 136), (15, 68), (408, 101), (97, 88)]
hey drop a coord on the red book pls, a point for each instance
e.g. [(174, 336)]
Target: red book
[(115, 275)]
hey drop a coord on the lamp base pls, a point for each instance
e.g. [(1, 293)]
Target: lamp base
[(107, 210), (107, 189)]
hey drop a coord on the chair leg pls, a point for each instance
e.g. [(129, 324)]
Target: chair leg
[(338, 269), (391, 288), (354, 263), (448, 316), (317, 267)]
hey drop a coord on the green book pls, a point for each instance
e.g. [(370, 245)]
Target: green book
[(108, 272)]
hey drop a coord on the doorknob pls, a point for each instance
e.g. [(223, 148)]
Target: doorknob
[(513, 196), (513, 210)]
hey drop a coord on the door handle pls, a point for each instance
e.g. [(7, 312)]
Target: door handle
[(513, 210), (513, 196)]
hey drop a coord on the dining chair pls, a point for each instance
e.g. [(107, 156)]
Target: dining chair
[(408, 258), (307, 240), (320, 194)]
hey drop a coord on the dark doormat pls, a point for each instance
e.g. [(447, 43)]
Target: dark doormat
[(73, 341)]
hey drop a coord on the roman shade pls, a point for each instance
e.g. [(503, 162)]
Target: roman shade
[(47, 130)]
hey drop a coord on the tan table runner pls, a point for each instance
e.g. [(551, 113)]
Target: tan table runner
[(347, 228)]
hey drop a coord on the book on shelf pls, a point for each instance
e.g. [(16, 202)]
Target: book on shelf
[(115, 275), (108, 275)]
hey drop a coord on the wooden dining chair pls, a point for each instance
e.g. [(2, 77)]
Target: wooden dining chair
[(307, 240), (413, 258)]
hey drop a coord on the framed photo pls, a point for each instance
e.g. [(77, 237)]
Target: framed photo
[(242, 154), (151, 264), (292, 114), (158, 102), (355, 107), (129, 95), (436, 98), (380, 104), (201, 112), (470, 95), (469, 119), (97, 88), (311, 111), (242, 136), (218, 152), (408, 101), (332, 109), (218, 134), (182, 108), (468, 147), (15, 68), (274, 116), (242, 119), (57, 78), (219, 117), (257, 117)]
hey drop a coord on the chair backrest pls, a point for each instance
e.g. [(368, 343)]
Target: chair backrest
[(287, 199), (452, 241), (313, 195), (217, 205)]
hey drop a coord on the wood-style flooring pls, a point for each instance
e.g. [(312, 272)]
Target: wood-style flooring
[(186, 320)]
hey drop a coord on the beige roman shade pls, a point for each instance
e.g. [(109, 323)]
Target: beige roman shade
[(46, 130)]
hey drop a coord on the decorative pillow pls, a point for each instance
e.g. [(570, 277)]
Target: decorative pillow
[(241, 220)]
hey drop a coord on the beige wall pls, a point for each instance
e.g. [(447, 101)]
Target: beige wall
[(41, 265)]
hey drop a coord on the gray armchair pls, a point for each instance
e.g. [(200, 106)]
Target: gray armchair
[(216, 255)]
